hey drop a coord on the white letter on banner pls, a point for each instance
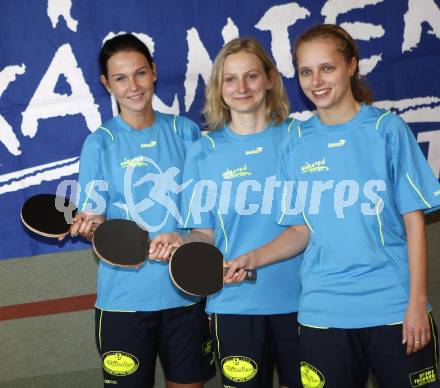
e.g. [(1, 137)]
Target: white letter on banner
[(433, 138), (419, 11), (332, 8), (45, 103), (230, 31), (199, 64), (358, 30), (277, 20), (7, 135), (57, 8)]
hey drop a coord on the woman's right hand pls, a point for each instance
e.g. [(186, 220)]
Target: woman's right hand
[(236, 269)]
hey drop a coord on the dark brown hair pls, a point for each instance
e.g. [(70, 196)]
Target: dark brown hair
[(347, 47)]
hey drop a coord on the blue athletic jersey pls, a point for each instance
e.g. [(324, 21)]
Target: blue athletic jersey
[(352, 184), (136, 174), (232, 193)]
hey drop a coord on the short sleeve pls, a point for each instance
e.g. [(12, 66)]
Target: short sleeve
[(92, 188), (197, 194), (415, 186), (288, 206)]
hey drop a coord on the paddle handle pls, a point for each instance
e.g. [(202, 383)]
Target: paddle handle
[(251, 274)]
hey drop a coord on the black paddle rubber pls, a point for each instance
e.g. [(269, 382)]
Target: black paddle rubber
[(40, 215), (121, 242), (197, 268)]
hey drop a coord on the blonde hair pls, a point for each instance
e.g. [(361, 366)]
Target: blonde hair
[(216, 112), (347, 47)]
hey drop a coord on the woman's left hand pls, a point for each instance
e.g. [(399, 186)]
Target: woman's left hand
[(416, 328)]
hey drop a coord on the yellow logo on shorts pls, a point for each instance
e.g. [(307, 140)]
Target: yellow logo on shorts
[(207, 347), (310, 376), (119, 363), (423, 377), (238, 368)]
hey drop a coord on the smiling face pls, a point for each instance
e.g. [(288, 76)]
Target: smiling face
[(130, 78), (244, 84), (325, 76)]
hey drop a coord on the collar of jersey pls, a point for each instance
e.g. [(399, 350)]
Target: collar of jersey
[(347, 126), (124, 126), (229, 133)]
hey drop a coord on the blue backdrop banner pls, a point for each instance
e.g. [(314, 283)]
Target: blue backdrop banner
[(51, 97)]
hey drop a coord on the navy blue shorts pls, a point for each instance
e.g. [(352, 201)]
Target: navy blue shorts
[(249, 346), (334, 358), (129, 344)]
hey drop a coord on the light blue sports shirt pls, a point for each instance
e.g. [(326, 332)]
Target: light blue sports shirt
[(351, 183)]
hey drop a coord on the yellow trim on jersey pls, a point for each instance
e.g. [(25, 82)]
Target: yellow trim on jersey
[(174, 124), (216, 335), (283, 205), (290, 125), (99, 330), (316, 327), (380, 223), (209, 137), (127, 214), (106, 130), (418, 191), (380, 119), (189, 210), (88, 196), (307, 222), (434, 338), (224, 232)]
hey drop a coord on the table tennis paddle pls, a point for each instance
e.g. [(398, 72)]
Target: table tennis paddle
[(48, 215), (121, 242), (196, 268)]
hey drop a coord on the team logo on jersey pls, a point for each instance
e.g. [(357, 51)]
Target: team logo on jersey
[(119, 363), (318, 166), (257, 150), (310, 376), (339, 143), (138, 161), (437, 193), (151, 144), (238, 368), (236, 173), (423, 377)]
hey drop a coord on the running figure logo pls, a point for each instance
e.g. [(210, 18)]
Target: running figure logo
[(164, 183)]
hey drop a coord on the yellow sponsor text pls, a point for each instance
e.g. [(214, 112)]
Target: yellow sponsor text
[(256, 150), (339, 143), (236, 173), (151, 144), (318, 166), (238, 368), (138, 161), (119, 363), (310, 376), (423, 377)]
